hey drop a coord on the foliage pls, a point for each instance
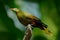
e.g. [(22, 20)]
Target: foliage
[(50, 10)]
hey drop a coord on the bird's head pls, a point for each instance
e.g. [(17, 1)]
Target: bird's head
[(15, 9)]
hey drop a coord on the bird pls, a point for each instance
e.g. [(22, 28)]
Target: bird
[(26, 18)]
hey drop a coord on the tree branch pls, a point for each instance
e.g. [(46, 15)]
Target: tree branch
[(28, 33)]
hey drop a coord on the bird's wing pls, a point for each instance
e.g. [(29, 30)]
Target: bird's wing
[(28, 15), (35, 21)]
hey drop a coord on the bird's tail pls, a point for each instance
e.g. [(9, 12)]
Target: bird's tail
[(47, 31)]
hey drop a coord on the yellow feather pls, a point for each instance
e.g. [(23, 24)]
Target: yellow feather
[(47, 31)]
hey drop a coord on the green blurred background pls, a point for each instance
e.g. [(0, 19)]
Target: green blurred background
[(50, 12)]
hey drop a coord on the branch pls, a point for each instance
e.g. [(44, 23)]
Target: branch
[(28, 33)]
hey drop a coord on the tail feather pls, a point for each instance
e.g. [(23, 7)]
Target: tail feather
[(47, 31)]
